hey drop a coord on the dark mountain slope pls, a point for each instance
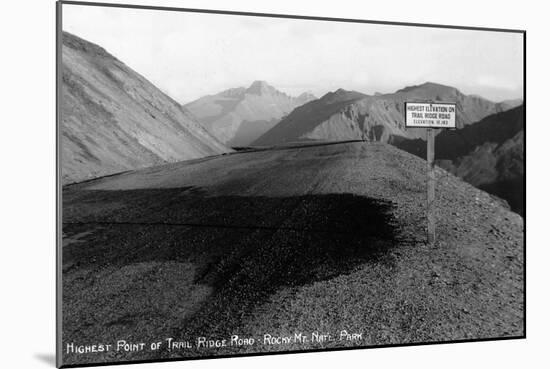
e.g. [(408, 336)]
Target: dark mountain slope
[(451, 144), (306, 118), (488, 154)]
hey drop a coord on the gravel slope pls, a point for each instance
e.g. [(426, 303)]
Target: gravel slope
[(314, 239)]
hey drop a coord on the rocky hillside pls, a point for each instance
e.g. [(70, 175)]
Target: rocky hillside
[(240, 115), (113, 119), (372, 118), (317, 238), (488, 154)]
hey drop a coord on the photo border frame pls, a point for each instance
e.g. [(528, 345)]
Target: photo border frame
[(59, 246)]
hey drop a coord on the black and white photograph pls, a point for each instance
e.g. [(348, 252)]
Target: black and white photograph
[(235, 184)]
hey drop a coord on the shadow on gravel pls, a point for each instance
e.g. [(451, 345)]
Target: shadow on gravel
[(244, 248)]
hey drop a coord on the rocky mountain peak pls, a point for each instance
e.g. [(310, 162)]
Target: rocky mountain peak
[(81, 45), (430, 88), (261, 88), (341, 95), (306, 96)]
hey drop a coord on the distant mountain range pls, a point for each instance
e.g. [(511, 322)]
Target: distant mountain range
[(347, 115), (487, 150), (240, 115), (113, 119)]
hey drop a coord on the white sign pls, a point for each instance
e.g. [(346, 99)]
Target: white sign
[(430, 115)]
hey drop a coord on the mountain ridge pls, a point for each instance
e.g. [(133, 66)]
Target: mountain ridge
[(113, 119), (376, 117), (239, 115)]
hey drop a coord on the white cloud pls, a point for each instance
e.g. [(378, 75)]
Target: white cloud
[(189, 55)]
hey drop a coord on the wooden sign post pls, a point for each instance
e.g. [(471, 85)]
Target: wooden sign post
[(430, 115), (431, 184)]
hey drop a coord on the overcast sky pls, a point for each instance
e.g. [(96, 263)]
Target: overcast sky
[(189, 55)]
